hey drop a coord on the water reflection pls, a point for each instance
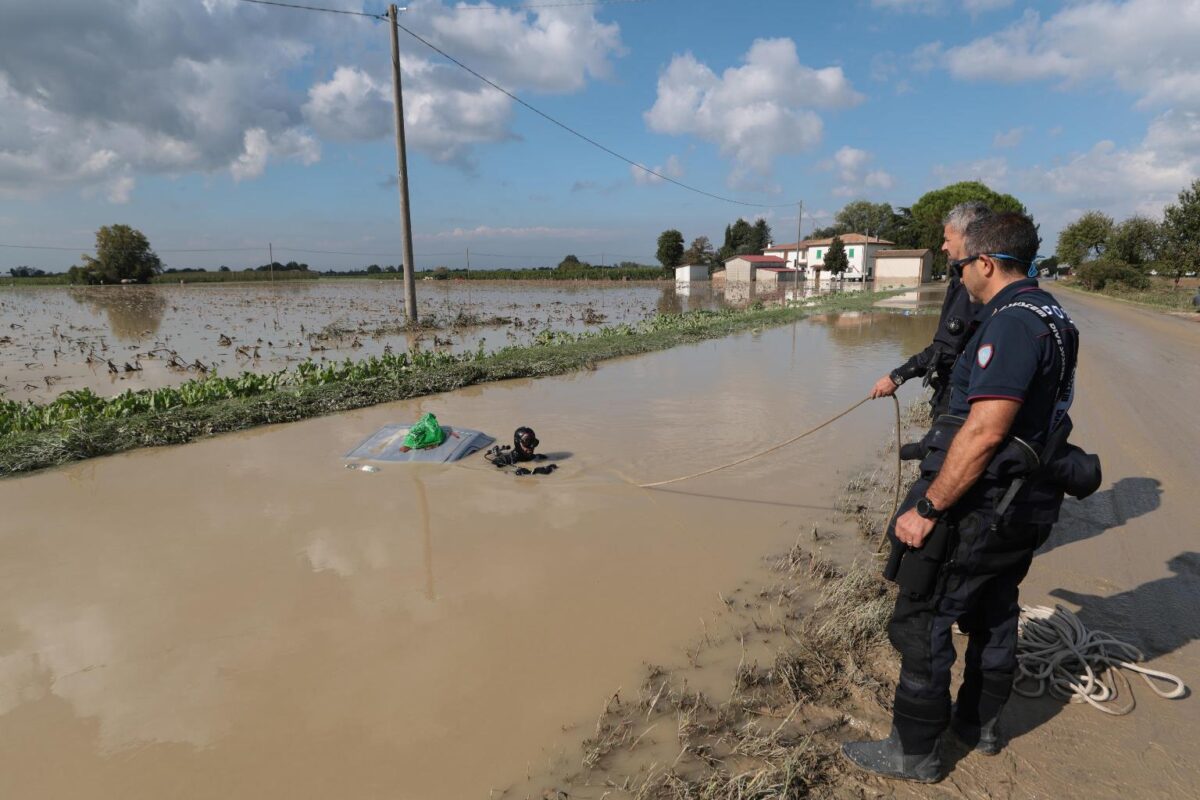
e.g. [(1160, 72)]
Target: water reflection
[(134, 312)]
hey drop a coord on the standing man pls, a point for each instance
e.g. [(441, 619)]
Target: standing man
[(968, 530), (936, 360)]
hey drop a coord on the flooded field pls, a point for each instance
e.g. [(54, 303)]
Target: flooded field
[(244, 618), (110, 339)]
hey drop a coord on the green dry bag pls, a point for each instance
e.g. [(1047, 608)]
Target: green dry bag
[(426, 433)]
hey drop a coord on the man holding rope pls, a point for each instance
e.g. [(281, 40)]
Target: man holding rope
[(967, 531), (935, 362)]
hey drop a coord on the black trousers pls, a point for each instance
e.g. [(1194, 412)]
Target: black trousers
[(978, 588)]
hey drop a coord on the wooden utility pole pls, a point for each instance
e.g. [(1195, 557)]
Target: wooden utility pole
[(799, 238), (410, 286)]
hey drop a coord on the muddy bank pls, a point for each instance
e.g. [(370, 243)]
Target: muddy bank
[(243, 617)]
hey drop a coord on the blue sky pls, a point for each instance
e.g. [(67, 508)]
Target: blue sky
[(221, 124)]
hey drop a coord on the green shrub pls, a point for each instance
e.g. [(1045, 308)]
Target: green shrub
[(1096, 275)]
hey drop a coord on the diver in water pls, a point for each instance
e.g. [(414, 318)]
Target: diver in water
[(523, 449)]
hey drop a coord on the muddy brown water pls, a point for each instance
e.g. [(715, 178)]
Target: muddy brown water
[(54, 339), (244, 617)]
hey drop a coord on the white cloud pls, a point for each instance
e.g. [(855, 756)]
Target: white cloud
[(755, 112), (1144, 47), (672, 169), (851, 164), (1147, 47), (972, 7), (1142, 178), (1009, 138), (164, 87), (981, 6), (992, 171), (925, 57)]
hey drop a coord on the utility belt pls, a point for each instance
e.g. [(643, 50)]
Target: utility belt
[(1059, 464), (1017, 465)]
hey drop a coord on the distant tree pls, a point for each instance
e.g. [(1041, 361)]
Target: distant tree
[(26, 272), (925, 228), (1136, 241), (862, 216), (835, 260), (390, 268), (1085, 239), (1181, 234), (1049, 265), (441, 273), (827, 232), (670, 249), (374, 269), (224, 269), (122, 253), (739, 240), (570, 262), (700, 253), (760, 238)]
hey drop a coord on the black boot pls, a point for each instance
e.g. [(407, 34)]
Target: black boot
[(887, 759), (911, 750), (977, 712)]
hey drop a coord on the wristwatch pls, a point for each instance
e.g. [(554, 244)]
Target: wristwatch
[(896, 377), (926, 509)]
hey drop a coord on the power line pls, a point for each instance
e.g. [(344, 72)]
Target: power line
[(582, 136), (315, 8), (157, 250)]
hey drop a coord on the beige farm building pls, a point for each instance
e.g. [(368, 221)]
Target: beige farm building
[(903, 267), (744, 269), (691, 272)]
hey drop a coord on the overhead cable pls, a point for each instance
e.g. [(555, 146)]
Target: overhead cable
[(315, 8), (583, 136)]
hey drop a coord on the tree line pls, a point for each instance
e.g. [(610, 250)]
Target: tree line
[(1105, 252), (914, 227)]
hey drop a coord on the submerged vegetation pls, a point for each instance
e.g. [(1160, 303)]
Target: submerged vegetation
[(80, 424)]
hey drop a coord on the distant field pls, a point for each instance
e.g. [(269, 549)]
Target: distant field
[(1161, 294), (240, 276)]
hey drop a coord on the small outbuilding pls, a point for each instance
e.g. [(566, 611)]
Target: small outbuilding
[(770, 277), (691, 272), (903, 267), (742, 269)]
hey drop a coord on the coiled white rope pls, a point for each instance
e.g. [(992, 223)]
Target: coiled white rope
[(1059, 656)]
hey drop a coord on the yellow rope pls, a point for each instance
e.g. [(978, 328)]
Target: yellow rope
[(781, 445)]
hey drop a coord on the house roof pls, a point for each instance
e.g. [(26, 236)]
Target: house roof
[(847, 238), (777, 269), (902, 253), (758, 259)]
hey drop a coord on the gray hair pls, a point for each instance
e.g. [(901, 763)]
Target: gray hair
[(964, 214)]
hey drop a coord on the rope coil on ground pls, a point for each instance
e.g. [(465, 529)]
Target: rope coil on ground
[(1057, 655)]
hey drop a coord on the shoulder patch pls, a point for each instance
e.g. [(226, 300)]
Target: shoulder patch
[(983, 356)]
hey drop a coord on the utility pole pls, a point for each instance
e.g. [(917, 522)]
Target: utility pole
[(271, 261), (410, 287), (799, 238)]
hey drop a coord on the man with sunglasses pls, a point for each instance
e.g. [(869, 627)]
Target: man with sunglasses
[(971, 522), (935, 361)]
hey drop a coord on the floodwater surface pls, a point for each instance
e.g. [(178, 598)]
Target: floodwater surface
[(112, 338), (243, 617)]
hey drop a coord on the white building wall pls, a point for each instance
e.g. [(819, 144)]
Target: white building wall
[(691, 272), (856, 258)]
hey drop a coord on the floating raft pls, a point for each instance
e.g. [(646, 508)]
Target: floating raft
[(385, 444)]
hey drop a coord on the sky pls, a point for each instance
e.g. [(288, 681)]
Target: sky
[(219, 127)]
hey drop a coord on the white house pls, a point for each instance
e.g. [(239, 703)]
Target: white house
[(860, 251), (691, 272)]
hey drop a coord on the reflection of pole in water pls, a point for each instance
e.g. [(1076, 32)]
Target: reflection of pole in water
[(426, 535)]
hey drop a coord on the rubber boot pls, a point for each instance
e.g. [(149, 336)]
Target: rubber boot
[(887, 759), (976, 716), (911, 750)]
